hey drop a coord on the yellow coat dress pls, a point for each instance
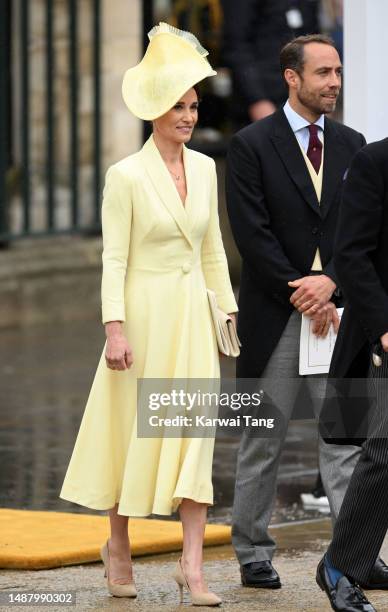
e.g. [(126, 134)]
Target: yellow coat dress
[(158, 259)]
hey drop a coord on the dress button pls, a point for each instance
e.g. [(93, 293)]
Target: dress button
[(186, 268), (314, 230)]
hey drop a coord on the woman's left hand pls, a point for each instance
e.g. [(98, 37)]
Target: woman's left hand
[(232, 315)]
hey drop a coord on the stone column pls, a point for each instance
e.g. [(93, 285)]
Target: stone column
[(122, 48), (365, 78)]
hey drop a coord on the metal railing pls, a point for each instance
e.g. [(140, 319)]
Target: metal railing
[(15, 22)]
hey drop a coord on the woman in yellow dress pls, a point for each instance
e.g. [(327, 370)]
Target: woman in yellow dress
[(162, 248)]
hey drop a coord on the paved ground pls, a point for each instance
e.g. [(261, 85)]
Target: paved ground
[(300, 547)]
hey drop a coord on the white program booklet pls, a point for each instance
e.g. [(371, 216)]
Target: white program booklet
[(315, 353)]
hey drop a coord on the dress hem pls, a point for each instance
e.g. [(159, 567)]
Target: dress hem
[(160, 511)]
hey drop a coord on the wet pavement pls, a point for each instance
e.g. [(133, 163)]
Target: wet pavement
[(45, 375), (300, 547)]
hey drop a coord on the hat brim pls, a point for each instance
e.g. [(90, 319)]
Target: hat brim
[(170, 67), (142, 94)]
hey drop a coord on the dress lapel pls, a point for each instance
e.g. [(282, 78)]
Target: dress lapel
[(334, 165), (165, 187), (289, 151)]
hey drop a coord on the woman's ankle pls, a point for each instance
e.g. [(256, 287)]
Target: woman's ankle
[(191, 565), (119, 543)]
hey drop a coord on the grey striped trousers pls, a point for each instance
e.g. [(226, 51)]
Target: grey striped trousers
[(363, 519)]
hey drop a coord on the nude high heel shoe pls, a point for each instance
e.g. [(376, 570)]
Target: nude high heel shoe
[(197, 599), (117, 590)]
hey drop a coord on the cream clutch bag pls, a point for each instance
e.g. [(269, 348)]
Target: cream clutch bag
[(224, 327)]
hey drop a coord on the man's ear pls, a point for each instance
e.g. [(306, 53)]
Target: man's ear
[(291, 77)]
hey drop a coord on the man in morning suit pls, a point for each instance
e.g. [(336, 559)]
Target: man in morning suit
[(361, 263), (283, 185)]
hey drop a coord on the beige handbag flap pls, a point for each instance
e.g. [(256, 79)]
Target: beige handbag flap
[(224, 327)]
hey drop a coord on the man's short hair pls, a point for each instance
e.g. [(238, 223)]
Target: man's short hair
[(292, 54)]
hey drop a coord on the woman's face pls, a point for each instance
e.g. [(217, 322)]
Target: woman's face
[(178, 123)]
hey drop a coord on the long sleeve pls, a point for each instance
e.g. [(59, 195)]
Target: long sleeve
[(357, 238), (249, 218), (116, 218), (214, 262)]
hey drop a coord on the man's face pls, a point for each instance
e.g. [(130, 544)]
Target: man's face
[(319, 85)]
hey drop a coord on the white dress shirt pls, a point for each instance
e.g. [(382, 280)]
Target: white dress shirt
[(299, 126)]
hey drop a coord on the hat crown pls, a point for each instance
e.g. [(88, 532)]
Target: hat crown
[(166, 28), (173, 62)]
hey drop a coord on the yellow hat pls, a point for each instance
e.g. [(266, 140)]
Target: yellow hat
[(173, 63)]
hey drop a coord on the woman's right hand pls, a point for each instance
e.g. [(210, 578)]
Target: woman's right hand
[(118, 353)]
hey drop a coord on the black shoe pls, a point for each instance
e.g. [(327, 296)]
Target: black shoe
[(260, 574), (378, 578), (346, 596)]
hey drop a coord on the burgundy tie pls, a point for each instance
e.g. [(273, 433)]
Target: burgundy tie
[(314, 152)]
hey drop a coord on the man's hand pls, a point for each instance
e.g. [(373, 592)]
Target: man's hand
[(324, 318), (384, 342), (261, 109), (312, 293)]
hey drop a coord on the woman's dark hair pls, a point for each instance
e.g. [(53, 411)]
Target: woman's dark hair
[(292, 54), (197, 91)]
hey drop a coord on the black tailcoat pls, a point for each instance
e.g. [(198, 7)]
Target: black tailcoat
[(361, 263)]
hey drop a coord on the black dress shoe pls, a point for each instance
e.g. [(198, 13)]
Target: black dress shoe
[(346, 596), (260, 574), (378, 578)]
